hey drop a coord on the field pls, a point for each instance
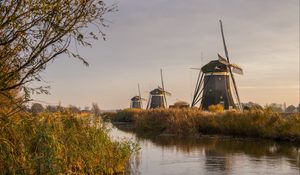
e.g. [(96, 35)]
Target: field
[(194, 122), (59, 143)]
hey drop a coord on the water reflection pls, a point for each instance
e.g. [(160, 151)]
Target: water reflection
[(210, 155)]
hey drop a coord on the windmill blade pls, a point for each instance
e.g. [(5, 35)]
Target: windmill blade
[(227, 57), (224, 42), (148, 104), (139, 90), (167, 93), (140, 95), (195, 68), (162, 80), (223, 60), (236, 69), (163, 87)]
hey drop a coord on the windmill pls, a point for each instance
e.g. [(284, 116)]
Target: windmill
[(157, 97), (214, 82), (136, 101)]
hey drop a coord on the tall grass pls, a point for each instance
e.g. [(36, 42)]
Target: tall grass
[(255, 123), (60, 143)]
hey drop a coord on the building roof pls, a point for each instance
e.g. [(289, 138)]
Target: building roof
[(157, 91), (136, 98), (214, 66)]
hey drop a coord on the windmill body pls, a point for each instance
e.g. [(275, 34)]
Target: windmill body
[(216, 88), (157, 99), (214, 82), (136, 102)]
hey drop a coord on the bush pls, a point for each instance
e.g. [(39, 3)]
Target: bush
[(59, 143), (191, 121)]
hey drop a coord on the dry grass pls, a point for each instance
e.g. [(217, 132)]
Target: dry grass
[(255, 123), (61, 143)]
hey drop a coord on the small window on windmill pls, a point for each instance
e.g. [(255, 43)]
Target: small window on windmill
[(220, 78)]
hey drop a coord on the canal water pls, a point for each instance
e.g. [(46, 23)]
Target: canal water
[(170, 155)]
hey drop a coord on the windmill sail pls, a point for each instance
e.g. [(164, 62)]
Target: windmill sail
[(163, 87), (223, 60), (215, 80), (236, 69), (140, 96), (157, 97), (227, 56)]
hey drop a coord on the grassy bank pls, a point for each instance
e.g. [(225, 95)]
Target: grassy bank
[(255, 123), (60, 143)]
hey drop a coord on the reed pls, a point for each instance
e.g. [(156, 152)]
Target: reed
[(59, 143), (186, 122)]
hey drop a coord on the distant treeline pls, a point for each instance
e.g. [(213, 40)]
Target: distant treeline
[(38, 108)]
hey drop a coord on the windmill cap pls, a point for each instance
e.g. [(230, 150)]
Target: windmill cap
[(136, 98), (214, 66), (157, 91)]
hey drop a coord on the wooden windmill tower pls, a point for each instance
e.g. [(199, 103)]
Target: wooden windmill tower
[(214, 82), (157, 97), (137, 101)]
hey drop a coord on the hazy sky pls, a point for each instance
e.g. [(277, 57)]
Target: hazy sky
[(144, 36)]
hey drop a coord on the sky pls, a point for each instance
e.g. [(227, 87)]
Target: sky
[(144, 36)]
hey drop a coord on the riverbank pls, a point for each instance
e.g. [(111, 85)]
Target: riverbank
[(60, 143), (193, 122)]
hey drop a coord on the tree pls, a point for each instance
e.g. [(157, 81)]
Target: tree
[(291, 109), (50, 108), (95, 109), (275, 107), (37, 108), (34, 32), (252, 106), (73, 109)]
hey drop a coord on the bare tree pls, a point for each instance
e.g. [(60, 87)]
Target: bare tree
[(95, 109), (34, 32)]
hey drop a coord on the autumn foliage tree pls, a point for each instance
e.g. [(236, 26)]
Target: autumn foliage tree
[(34, 32)]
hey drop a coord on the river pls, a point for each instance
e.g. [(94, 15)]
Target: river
[(216, 155)]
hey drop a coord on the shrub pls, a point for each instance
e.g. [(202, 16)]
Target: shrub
[(191, 121), (59, 143)]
